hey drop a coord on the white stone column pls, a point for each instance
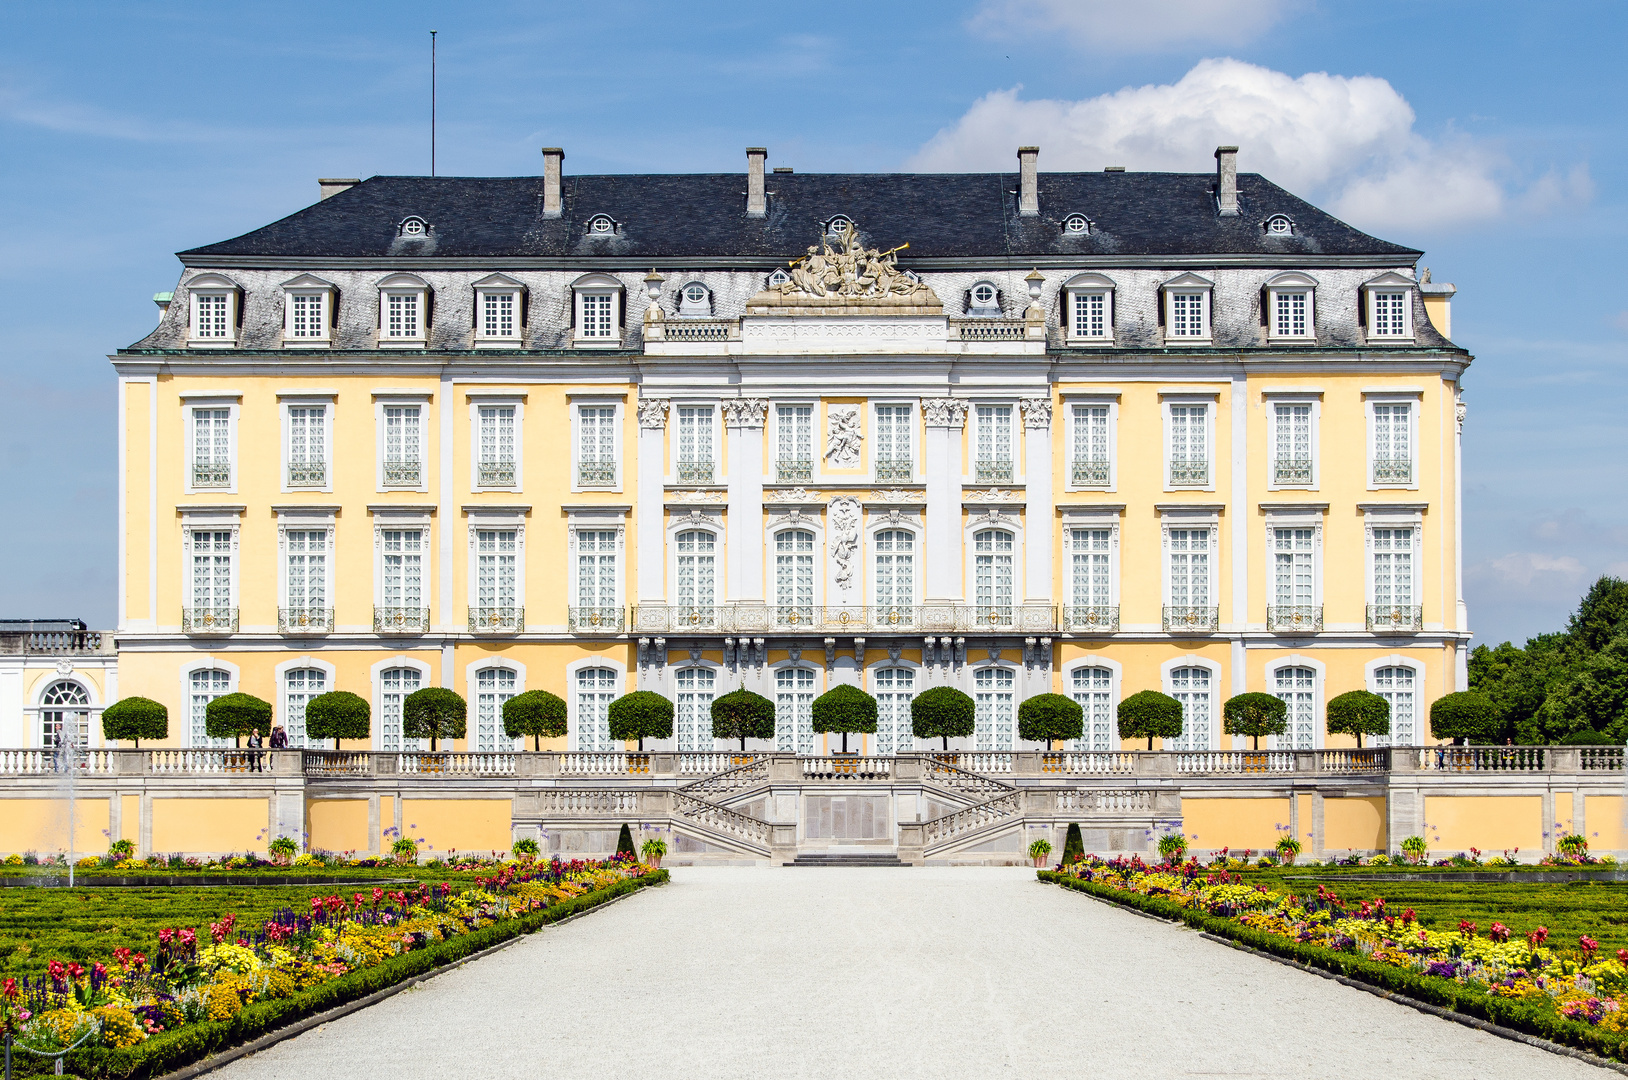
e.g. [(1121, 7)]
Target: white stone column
[(941, 459), (650, 573), (1038, 517), (743, 419)]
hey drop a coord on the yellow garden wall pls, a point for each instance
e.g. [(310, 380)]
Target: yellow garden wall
[(1234, 823), (465, 824), (42, 825), (337, 825), (1354, 823), (1489, 822), (219, 825), (1603, 823)]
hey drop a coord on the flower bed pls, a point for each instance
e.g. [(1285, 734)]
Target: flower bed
[(191, 991), (1518, 979)]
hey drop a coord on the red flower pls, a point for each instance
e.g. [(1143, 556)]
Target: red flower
[(1588, 945), (1466, 927), (9, 988), (1499, 933)]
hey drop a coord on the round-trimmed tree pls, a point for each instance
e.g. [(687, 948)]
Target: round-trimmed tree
[(434, 713), (643, 714), (1468, 714), (232, 716), (536, 713), (135, 718), (338, 714), (741, 714), (1049, 717), (1359, 713), (1255, 714), (847, 710), (943, 713), (1149, 715)]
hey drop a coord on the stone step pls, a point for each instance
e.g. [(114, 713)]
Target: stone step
[(877, 858)]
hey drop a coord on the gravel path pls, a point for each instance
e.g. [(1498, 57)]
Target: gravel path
[(885, 973)]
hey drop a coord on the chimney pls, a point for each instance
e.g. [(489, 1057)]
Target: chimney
[(756, 203), (331, 187), (553, 156), (1226, 180), (1028, 181)]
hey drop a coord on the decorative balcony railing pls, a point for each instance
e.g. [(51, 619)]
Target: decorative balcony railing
[(496, 620), (63, 641), (1395, 617), (595, 620), (992, 471), (895, 469), (694, 472), (696, 330), (987, 330), (305, 620), (789, 469), (1090, 473), (1091, 618), (1295, 618), (211, 474), (1291, 471), (307, 473), (1393, 470), (399, 472), (209, 620), (596, 473), (841, 619), (1189, 473), (496, 474), (401, 620), (1191, 618)]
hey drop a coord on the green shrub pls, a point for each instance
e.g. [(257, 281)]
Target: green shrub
[(1049, 717), (943, 712), (1073, 844), (1149, 715), (1588, 737), (135, 718), (624, 842), (338, 714), (526, 849), (434, 713), (536, 713), (232, 716), (1359, 713), (741, 714), (846, 709), (1465, 715), (1040, 849), (643, 714), (1254, 714)]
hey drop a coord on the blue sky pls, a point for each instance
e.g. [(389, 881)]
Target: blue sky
[(1490, 135)]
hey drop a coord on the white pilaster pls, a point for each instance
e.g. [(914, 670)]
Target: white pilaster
[(651, 520), (941, 458), (743, 419), (445, 619), (1039, 517), (1238, 511)]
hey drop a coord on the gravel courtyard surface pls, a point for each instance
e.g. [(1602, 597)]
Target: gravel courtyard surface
[(815, 972)]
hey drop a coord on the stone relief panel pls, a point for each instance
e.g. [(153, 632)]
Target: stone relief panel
[(843, 436), (844, 519)]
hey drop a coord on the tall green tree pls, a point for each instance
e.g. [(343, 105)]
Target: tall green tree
[(434, 713), (845, 710), (537, 713), (1593, 698), (1049, 717), (1255, 714), (943, 712), (741, 714)]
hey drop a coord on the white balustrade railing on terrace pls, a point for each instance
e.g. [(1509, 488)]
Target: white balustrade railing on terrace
[(945, 773), (705, 764), (589, 801), (594, 763), (1352, 761), (1111, 801), (844, 767), (335, 763), (1482, 758), (1600, 757), (456, 764), (722, 818), (56, 762), (742, 776), (1202, 762), (203, 762), (973, 817), (1097, 763)]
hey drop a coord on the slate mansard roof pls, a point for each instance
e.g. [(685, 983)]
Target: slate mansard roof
[(954, 217)]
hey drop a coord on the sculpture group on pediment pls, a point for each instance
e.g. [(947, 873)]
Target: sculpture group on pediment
[(848, 271)]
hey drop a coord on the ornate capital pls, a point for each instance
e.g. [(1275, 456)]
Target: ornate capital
[(944, 412), (653, 412), (1036, 412), (745, 412)]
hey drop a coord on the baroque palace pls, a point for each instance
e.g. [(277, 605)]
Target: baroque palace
[(1090, 433)]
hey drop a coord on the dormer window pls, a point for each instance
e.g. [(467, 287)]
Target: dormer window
[(1187, 309), (1388, 301), (404, 311), (984, 301), (597, 309), (308, 306), (1076, 225), (694, 299), (777, 279), (215, 301), (601, 225), (838, 226), (1088, 310), (500, 311), (413, 226), (1279, 225), (1291, 302)]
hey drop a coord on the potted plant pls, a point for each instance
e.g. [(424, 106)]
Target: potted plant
[(526, 849), (283, 849), (1414, 849), (1038, 852), (404, 850), (1288, 849), (652, 850), (1172, 846)]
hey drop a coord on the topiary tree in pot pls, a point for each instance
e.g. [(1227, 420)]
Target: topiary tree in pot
[(943, 713), (1467, 715), (1049, 717), (536, 713), (338, 714), (232, 716), (135, 718), (434, 713), (845, 709), (1359, 713), (1255, 714), (643, 714), (741, 714), (1149, 715)]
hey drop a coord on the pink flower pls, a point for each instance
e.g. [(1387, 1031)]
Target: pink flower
[(1499, 932), (1588, 945)]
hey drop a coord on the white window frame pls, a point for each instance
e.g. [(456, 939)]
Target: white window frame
[(597, 285), (969, 541), (187, 670), (1280, 286), (707, 523), (1169, 520), (232, 404), (1167, 672), (704, 740), (1092, 523), (581, 522), (978, 732), (495, 285), (572, 711), (1014, 439), (214, 285), (496, 520), (1414, 400), (991, 310), (881, 523), (293, 520), (376, 681), (771, 566), (1393, 518), (383, 522), (912, 418), (324, 401), (771, 450), (1211, 404), (618, 404), (472, 674), (1088, 285), (674, 424), (1188, 285), (1319, 715), (1370, 682), (1274, 398), (404, 285), (213, 520), (1115, 696), (383, 399), (694, 309), (1282, 517), (905, 739), (497, 399), (1103, 399), (1389, 283), (325, 294), (280, 706), (785, 722)]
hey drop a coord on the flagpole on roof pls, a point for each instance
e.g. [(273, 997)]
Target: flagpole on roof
[(432, 101)]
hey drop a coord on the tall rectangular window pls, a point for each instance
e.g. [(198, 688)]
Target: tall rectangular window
[(697, 576), (993, 694), (497, 315), (305, 316), (794, 710), (402, 315), (1291, 314), (896, 573), (1393, 443), (596, 689), (1393, 567), (1092, 466), (1090, 315), (211, 448), (204, 687), (794, 577), (695, 444), (211, 316), (693, 708), (596, 568), (596, 446), (892, 450), (1189, 568), (1292, 568), (1396, 685), (495, 551), (1189, 445), (598, 320), (1191, 687), (394, 686), (1092, 585), (493, 686), (1296, 687), (1291, 443), (994, 465), (299, 686), (1186, 316), (403, 569), (496, 467), (895, 690), (1388, 314), (403, 459), (211, 571), (795, 457), (307, 445), (993, 577), (307, 571), (1093, 689)]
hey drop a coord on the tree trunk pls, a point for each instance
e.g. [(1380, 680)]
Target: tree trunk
[(432, 742), (844, 742), (1257, 742), (1359, 740), (1150, 743), (641, 744), (536, 743), (946, 743)]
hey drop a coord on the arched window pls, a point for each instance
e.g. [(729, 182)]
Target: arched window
[(203, 687), (697, 578), (992, 577), (984, 301), (1295, 685), (299, 686), (895, 576), (694, 299), (394, 686), (65, 720), (596, 689), (993, 691), (1076, 224), (694, 707), (1191, 687), (895, 688), (794, 577), (838, 226), (1396, 685), (794, 710), (493, 686), (1093, 688)]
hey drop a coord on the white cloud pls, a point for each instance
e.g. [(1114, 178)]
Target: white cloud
[(1147, 26), (1522, 569), (1345, 142)]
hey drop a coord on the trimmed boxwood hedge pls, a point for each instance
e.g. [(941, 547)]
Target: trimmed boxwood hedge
[(1359, 713), (1048, 717), (193, 1042), (741, 714), (338, 714), (232, 716), (1254, 714), (643, 714), (135, 718), (845, 709), (943, 712), (536, 713), (1467, 714), (1149, 715), (434, 713)]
